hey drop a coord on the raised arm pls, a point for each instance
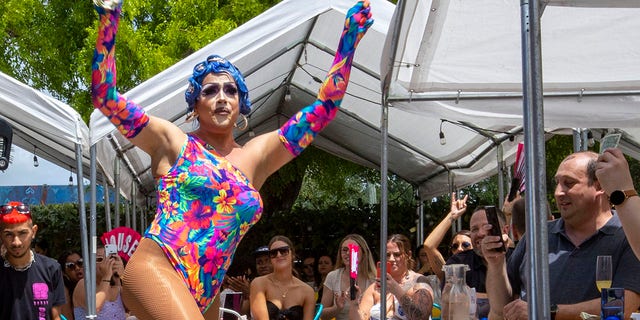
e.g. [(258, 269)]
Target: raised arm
[(431, 243), (297, 133), (612, 171), (153, 135)]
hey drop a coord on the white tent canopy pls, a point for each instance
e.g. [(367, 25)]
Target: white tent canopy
[(466, 69), (39, 121), (281, 50), (462, 61)]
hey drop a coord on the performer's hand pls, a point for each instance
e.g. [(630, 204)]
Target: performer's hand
[(107, 5), (356, 24)]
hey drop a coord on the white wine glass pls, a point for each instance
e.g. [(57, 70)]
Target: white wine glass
[(603, 272)]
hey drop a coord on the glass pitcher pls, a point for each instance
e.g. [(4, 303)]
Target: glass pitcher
[(455, 294)]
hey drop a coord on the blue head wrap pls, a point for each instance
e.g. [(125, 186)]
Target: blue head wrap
[(216, 64)]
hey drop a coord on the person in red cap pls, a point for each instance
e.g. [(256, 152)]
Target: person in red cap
[(32, 285)]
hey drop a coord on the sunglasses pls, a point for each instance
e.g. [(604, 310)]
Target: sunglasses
[(396, 255), (74, 265), (465, 245), (7, 208), (308, 266), (282, 250), (212, 89)]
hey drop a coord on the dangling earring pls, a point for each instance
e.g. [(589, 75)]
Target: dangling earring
[(245, 123), (190, 117)]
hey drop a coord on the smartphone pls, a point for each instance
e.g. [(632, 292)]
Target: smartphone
[(353, 272), (492, 219), (110, 249), (379, 272)]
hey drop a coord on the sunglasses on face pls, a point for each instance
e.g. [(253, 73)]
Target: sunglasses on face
[(465, 245), (396, 255), (282, 250), (212, 89), (7, 208), (308, 266), (74, 265)]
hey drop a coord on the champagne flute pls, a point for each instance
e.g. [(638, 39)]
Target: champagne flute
[(603, 272)]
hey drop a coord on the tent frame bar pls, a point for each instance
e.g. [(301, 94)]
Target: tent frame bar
[(507, 95)]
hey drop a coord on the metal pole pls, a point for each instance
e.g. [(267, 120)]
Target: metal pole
[(420, 213), (116, 179), (384, 125), (89, 268), (127, 214), (501, 167), (134, 194), (535, 197), (91, 303), (107, 205)]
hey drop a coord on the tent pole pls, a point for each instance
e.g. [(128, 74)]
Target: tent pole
[(92, 231), (420, 213), (89, 267), (116, 179), (501, 167), (107, 204), (384, 124), (134, 194), (535, 197)]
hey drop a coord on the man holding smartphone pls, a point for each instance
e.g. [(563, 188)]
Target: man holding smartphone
[(474, 258), (587, 228)]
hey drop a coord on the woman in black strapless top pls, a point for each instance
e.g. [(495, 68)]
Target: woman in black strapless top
[(280, 295)]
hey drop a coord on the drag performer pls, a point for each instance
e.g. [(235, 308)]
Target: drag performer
[(207, 184)]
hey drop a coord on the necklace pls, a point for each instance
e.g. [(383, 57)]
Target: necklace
[(7, 264), (284, 292)]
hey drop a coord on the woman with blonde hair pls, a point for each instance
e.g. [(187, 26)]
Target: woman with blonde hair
[(335, 294), (280, 294)]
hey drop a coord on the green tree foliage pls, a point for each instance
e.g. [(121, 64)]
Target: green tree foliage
[(49, 44)]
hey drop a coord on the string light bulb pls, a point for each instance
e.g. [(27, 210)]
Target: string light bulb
[(443, 140), (287, 95), (35, 158)]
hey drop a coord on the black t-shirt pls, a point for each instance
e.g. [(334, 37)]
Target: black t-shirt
[(31, 294)]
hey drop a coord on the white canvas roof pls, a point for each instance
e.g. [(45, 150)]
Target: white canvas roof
[(462, 61), (465, 69), (39, 120)]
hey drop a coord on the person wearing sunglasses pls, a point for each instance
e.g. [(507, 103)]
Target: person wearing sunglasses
[(109, 303), (72, 271), (32, 285), (207, 182), (476, 276), (432, 242), (407, 298), (280, 294), (335, 295)]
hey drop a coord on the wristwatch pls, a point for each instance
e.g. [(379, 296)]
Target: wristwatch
[(617, 197)]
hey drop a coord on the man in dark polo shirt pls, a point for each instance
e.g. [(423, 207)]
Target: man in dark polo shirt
[(587, 228), (473, 258), (31, 285)]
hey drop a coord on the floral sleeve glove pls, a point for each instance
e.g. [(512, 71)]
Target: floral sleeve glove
[(297, 133)]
